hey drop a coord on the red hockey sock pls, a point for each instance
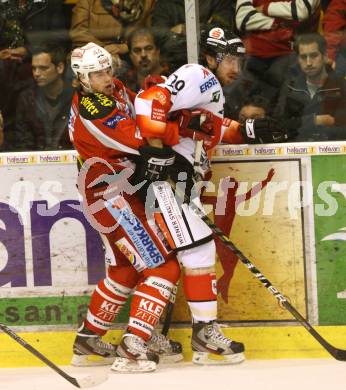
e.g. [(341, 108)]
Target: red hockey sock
[(147, 305), (106, 301), (200, 292)]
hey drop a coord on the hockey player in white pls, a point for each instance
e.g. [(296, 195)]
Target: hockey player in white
[(162, 114)]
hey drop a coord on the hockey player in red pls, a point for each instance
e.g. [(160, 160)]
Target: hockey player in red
[(163, 114), (104, 133)]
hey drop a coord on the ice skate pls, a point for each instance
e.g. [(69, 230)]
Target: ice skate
[(133, 355), (90, 350), (210, 346), (168, 350)]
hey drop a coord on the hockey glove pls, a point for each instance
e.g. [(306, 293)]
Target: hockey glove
[(261, 131), (202, 167), (153, 163)]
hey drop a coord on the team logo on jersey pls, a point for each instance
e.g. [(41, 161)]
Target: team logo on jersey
[(89, 105), (114, 120), (215, 97), (157, 112), (104, 100), (96, 106), (208, 84), (206, 73)]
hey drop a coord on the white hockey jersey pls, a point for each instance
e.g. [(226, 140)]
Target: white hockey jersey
[(191, 87)]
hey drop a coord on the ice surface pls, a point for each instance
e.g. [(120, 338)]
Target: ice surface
[(307, 374)]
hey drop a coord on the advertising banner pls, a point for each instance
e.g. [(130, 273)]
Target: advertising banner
[(329, 178), (50, 257), (257, 204)]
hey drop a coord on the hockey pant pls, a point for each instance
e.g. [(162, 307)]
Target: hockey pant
[(192, 240), (135, 256)]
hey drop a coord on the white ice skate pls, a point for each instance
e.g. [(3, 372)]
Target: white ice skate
[(90, 350), (133, 355), (211, 347), (168, 350)]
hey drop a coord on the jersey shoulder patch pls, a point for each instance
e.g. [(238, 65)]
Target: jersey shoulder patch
[(96, 106)]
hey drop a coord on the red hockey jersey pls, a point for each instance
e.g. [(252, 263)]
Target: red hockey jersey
[(104, 127)]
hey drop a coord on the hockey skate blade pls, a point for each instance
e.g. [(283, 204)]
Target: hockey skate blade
[(92, 380), (91, 360), (169, 359), (124, 365), (211, 359)]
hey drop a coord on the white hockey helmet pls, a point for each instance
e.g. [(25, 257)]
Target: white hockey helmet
[(89, 58)]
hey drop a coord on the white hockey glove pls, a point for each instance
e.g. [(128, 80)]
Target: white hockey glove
[(201, 167)]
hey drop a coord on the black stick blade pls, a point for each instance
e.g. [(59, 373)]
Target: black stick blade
[(339, 354)]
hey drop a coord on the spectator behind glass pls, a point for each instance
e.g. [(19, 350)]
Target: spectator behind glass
[(23, 23), (313, 101), (255, 107), (268, 28), (144, 55), (170, 14), (105, 22), (334, 29), (43, 109), (173, 52)]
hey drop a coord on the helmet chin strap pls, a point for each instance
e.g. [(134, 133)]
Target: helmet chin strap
[(219, 58), (86, 86)]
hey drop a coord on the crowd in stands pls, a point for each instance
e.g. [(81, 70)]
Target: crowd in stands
[(294, 69)]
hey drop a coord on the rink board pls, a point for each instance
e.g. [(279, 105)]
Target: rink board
[(281, 342), (50, 257)]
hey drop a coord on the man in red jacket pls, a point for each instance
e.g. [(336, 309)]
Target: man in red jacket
[(334, 30), (267, 29)]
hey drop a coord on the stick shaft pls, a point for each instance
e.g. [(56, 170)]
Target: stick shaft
[(168, 318), (338, 354), (169, 310), (38, 354)]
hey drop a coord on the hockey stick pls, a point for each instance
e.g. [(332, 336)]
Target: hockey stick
[(339, 354), (168, 319), (169, 311), (88, 381)]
